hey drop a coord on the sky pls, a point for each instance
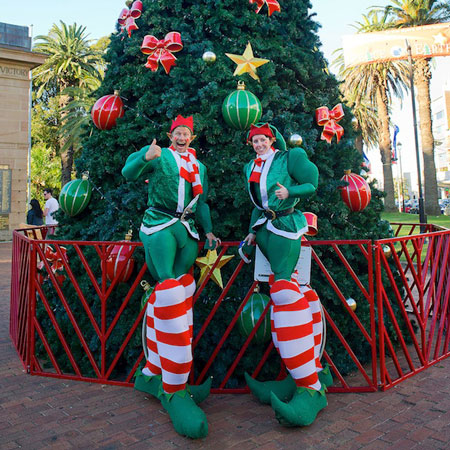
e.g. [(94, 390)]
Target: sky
[(100, 16)]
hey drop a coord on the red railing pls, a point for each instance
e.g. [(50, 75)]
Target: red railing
[(410, 285)]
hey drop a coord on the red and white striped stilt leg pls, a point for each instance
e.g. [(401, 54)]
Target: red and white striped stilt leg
[(293, 325), (173, 337), (314, 305), (187, 280), (153, 364)]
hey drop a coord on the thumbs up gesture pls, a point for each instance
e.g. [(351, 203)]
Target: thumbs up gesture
[(281, 193), (153, 152)]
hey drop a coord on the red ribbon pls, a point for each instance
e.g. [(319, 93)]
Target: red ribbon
[(328, 119), (273, 5), (127, 17), (161, 50)]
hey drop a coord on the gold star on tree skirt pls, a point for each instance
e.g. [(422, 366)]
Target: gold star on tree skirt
[(247, 62), (206, 262)]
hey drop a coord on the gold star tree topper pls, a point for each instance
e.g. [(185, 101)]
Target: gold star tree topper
[(247, 62), (207, 262)]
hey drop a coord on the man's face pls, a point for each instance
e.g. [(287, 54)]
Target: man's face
[(46, 195), (181, 137), (261, 144)]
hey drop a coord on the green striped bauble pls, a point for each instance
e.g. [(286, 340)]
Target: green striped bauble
[(241, 108), (250, 315), (75, 196)]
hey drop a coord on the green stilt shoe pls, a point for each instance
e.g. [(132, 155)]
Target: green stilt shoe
[(302, 410), (187, 418), (283, 389), (153, 386), (325, 377)]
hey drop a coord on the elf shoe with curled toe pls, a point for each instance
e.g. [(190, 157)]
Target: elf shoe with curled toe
[(302, 410), (201, 391), (187, 418), (283, 389), (148, 384)]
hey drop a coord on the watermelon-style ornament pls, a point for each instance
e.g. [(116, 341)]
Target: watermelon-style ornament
[(241, 108), (75, 195), (250, 315), (107, 110), (357, 194), (120, 263)]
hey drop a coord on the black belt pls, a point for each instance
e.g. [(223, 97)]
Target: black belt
[(272, 215), (186, 215)]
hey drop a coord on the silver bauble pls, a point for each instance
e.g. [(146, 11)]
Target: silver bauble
[(351, 303), (295, 140), (209, 57)]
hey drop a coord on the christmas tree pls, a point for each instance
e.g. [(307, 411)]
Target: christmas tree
[(291, 86)]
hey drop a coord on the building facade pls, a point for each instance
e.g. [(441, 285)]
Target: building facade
[(16, 62)]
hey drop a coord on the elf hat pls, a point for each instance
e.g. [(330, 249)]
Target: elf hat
[(263, 129), (181, 121)]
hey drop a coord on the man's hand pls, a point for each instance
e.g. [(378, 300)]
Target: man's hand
[(211, 239), (153, 152), (250, 238), (281, 193)]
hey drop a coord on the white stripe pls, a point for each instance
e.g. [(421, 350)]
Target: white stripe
[(174, 326), (286, 234), (174, 378), (263, 180), (178, 354), (191, 232), (289, 349), (303, 371), (169, 297), (151, 334), (181, 182), (151, 230), (292, 318)]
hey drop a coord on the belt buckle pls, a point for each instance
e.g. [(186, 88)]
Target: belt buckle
[(272, 212), (185, 212)]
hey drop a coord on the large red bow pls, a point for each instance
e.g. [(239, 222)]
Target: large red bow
[(127, 17), (273, 5), (328, 119), (161, 51)]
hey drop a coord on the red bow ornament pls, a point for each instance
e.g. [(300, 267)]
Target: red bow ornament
[(127, 17), (273, 5), (329, 120), (161, 50)]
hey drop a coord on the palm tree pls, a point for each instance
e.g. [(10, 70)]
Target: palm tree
[(376, 83), (410, 13), (71, 63)]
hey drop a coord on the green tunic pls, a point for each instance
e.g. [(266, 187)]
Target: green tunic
[(298, 175), (166, 189)]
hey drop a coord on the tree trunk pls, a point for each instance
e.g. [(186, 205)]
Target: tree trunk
[(385, 149), (422, 76), (359, 142), (66, 152)]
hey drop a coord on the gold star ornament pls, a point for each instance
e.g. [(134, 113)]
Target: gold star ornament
[(206, 263), (247, 62)]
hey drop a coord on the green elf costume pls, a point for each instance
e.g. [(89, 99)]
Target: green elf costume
[(276, 180), (177, 192)]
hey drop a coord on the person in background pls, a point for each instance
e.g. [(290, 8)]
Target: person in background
[(35, 213), (51, 205)]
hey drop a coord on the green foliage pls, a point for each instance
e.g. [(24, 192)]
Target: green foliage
[(292, 86)]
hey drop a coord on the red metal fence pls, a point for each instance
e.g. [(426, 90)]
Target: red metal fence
[(86, 327)]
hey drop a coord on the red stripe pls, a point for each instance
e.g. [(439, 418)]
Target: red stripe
[(292, 333), (186, 280), (150, 322), (151, 345), (166, 284), (317, 339), (174, 367), (171, 388), (299, 305), (153, 369), (170, 312), (307, 381), (299, 360), (317, 317), (281, 285), (179, 339)]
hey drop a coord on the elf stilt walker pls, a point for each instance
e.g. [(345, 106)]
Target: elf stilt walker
[(177, 191), (276, 179)]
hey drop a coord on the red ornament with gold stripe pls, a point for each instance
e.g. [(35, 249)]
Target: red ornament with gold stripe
[(357, 194), (107, 110), (120, 263)]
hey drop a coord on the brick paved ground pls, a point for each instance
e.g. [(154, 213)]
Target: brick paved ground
[(39, 412)]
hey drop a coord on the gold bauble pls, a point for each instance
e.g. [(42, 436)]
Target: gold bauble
[(387, 251), (351, 303), (295, 140), (209, 57)]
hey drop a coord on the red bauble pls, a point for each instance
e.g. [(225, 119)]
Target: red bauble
[(106, 111), (120, 263), (357, 194)]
